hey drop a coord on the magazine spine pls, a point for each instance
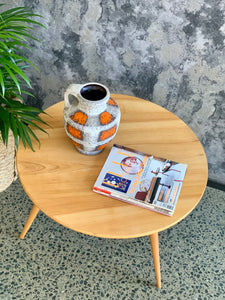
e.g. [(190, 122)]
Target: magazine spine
[(131, 201)]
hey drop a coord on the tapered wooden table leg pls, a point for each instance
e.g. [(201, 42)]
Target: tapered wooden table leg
[(33, 213), (154, 239)]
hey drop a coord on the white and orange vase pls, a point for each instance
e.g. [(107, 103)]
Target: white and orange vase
[(91, 117)]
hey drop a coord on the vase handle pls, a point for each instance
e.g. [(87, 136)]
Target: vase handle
[(72, 89)]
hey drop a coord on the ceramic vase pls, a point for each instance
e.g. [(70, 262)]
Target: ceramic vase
[(91, 117)]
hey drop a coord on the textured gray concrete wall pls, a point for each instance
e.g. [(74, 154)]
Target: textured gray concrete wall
[(170, 52)]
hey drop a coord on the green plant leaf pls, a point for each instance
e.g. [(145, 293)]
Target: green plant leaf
[(27, 93), (34, 125), (4, 46), (2, 83), (26, 135), (18, 71), (5, 125), (24, 59), (20, 132), (14, 36), (2, 130), (12, 76), (23, 109), (12, 45), (14, 129), (34, 135)]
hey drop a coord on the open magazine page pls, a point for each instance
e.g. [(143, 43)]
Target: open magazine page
[(141, 179)]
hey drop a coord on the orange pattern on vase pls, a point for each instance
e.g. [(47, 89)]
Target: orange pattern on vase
[(102, 146), (106, 118), (79, 117), (74, 132), (112, 102), (107, 133), (77, 145)]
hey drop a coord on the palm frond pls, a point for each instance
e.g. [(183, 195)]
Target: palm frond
[(16, 25), (20, 118)]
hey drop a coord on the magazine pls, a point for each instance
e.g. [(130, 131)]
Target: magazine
[(141, 179)]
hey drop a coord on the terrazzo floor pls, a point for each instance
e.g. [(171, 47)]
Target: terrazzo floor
[(54, 262)]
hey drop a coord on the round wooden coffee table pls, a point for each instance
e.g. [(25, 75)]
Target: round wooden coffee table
[(59, 179)]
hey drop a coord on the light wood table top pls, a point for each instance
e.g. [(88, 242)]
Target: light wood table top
[(59, 180)]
